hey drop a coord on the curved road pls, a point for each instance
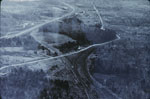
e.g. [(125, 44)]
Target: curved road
[(29, 31), (38, 26), (48, 58), (60, 56)]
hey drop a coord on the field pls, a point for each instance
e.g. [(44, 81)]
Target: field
[(57, 49)]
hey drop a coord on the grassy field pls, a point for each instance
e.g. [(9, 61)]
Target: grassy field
[(123, 66), (17, 16)]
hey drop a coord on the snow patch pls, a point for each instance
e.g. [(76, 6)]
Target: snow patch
[(11, 49)]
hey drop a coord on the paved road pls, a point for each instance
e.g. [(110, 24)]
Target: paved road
[(60, 56), (50, 58), (82, 71), (29, 31), (40, 25), (100, 18)]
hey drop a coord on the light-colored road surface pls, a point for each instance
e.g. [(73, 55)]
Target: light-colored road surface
[(60, 56), (29, 31), (100, 18), (40, 25), (3, 68), (48, 58), (99, 87)]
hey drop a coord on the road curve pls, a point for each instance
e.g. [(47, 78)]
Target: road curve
[(99, 86), (47, 58), (39, 25), (60, 56), (30, 30)]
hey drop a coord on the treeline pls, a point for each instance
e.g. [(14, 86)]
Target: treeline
[(69, 46), (22, 84), (48, 52), (59, 90), (79, 36)]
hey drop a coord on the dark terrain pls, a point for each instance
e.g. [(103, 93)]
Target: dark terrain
[(117, 68)]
